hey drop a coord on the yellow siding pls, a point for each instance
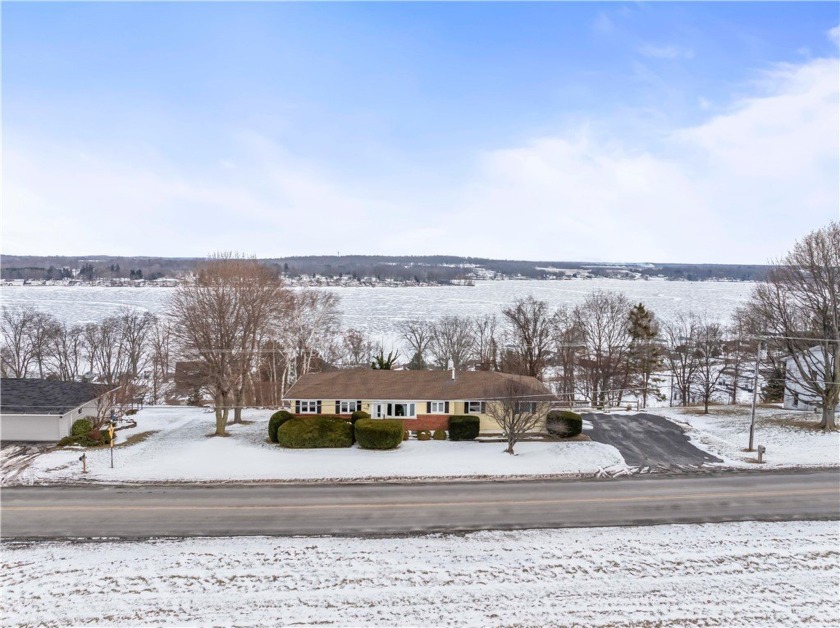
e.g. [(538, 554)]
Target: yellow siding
[(488, 424)]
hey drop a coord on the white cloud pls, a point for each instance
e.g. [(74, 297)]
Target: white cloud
[(834, 35), (739, 187), (665, 52)]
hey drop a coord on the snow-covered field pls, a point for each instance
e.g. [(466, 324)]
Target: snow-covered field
[(179, 449), (791, 438), (378, 310), (723, 574)]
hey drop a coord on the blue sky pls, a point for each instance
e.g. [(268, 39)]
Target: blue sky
[(538, 131)]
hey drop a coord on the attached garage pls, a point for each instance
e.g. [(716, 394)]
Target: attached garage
[(39, 410)]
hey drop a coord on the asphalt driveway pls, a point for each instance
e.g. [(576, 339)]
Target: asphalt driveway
[(646, 440)]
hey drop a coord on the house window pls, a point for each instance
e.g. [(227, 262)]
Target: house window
[(526, 407), (476, 407), (308, 407), (438, 407), (348, 407), (394, 410)]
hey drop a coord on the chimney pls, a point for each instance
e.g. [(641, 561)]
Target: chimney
[(452, 366)]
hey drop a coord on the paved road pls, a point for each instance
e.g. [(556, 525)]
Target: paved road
[(379, 508), (646, 440)]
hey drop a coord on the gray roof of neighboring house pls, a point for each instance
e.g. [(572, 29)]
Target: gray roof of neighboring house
[(414, 385), (42, 396)]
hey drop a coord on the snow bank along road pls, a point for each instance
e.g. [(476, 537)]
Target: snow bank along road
[(386, 508), (722, 574)]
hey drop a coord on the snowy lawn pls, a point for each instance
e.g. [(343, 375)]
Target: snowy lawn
[(172, 444), (792, 438), (723, 574)]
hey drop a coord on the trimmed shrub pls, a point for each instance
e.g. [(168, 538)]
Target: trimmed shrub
[(358, 414), (69, 440), (463, 427), (424, 435), (439, 435), (379, 433), (275, 421), (81, 427), (563, 423), (315, 431)]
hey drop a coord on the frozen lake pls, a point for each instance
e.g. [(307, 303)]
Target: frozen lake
[(377, 310)]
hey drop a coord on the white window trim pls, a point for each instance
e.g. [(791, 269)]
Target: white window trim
[(389, 405), (307, 405), (346, 406), (478, 403), (440, 410)]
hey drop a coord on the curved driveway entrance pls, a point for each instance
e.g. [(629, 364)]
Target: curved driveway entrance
[(646, 440)]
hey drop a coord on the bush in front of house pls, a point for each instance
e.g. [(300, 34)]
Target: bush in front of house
[(463, 427), (81, 427), (406, 434), (315, 431), (424, 435), (563, 423), (275, 421), (439, 435), (379, 433)]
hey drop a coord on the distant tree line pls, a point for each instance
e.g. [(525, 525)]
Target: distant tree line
[(438, 269)]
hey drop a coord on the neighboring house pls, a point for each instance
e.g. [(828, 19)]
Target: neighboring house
[(424, 399), (44, 410), (797, 395)]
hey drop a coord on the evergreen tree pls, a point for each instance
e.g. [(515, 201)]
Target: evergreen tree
[(645, 354)]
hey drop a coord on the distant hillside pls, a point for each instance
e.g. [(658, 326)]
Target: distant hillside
[(436, 269)]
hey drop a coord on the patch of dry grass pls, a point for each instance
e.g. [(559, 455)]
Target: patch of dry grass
[(135, 438)]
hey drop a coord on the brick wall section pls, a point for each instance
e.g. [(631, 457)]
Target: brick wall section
[(427, 422)]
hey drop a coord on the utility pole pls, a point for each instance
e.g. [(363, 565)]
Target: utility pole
[(755, 394)]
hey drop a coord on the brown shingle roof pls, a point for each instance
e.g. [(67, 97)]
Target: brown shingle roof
[(412, 385)]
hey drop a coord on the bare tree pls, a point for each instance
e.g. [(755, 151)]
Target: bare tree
[(530, 332), (418, 336), (136, 328), (601, 321), (799, 305), (517, 411), (566, 342), (18, 324), (486, 343), (44, 332), (452, 341), (68, 351), (106, 350), (161, 351), (711, 359), (680, 337), (212, 327), (357, 349)]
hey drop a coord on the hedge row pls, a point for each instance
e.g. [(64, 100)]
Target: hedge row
[(315, 431), (277, 419), (379, 433), (563, 423), (463, 427)]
